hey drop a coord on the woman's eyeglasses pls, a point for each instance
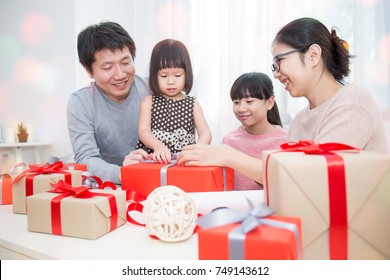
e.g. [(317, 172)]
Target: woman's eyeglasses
[(276, 61)]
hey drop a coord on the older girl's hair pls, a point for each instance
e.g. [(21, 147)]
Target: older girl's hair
[(256, 85), (170, 53), (304, 32)]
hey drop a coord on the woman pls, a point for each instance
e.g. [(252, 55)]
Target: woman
[(311, 62)]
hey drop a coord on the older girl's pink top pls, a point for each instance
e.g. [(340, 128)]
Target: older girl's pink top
[(253, 145)]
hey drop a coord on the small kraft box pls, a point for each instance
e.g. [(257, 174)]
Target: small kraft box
[(144, 177), (81, 212), (341, 194), (270, 238), (36, 180)]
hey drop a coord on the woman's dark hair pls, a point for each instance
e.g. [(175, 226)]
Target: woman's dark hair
[(304, 32), (105, 35), (170, 53), (256, 85)]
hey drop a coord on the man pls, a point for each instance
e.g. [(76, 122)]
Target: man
[(103, 117)]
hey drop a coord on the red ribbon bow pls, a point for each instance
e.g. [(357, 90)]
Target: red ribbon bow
[(67, 190), (338, 230), (46, 169)]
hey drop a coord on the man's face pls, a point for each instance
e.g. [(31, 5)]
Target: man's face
[(113, 72)]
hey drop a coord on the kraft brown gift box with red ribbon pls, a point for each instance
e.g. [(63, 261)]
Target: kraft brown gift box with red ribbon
[(341, 194), (66, 161), (37, 180), (77, 212), (66, 166), (144, 177)]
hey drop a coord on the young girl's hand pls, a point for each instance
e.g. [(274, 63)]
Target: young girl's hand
[(162, 154)]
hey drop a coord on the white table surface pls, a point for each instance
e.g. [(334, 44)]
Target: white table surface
[(124, 243)]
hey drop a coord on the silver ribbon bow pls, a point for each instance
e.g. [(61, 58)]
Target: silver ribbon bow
[(249, 221), (65, 159)]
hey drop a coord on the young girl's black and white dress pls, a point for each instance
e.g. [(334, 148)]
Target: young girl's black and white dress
[(172, 122)]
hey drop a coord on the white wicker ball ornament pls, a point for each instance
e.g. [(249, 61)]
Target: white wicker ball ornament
[(170, 214)]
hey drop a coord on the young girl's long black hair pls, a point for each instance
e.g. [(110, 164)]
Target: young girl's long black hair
[(256, 85)]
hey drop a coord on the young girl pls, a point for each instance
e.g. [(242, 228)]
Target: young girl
[(255, 107), (169, 118)]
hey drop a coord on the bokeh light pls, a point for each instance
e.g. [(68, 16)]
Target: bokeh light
[(29, 72), (367, 3), (10, 52), (179, 20), (35, 29), (384, 49)]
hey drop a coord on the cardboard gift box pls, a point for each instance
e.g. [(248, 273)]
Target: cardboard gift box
[(90, 217), (342, 197), (66, 166), (37, 180), (144, 177), (271, 238)]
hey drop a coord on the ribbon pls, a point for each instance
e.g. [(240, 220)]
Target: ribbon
[(255, 217), (41, 170), (164, 174), (94, 182), (65, 160), (66, 190), (338, 228)]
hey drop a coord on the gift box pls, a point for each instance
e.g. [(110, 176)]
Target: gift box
[(341, 195), (66, 166), (5, 188), (36, 180), (83, 212), (271, 238), (6, 180), (144, 177)]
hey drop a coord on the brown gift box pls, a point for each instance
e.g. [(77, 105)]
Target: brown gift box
[(80, 217), (41, 183), (298, 186)]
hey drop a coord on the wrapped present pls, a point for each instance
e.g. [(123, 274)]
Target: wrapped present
[(76, 211), (144, 177), (6, 180), (253, 235), (341, 194), (5, 188), (65, 160), (36, 180), (66, 165)]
